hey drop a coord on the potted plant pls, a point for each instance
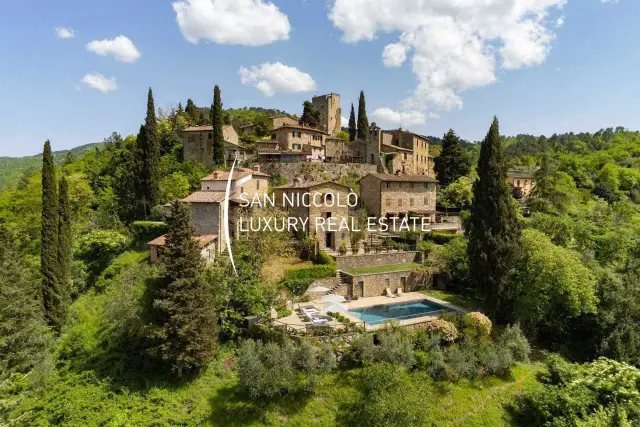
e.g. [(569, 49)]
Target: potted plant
[(343, 248)]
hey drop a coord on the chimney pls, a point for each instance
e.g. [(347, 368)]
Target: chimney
[(256, 168)]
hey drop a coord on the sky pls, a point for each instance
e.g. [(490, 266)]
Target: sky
[(74, 71)]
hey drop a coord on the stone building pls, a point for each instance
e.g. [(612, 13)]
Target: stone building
[(414, 149), (270, 152), (522, 179), (329, 106), (301, 139), (206, 243), (276, 122), (324, 216), (198, 144), (398, 195), (207, 205)]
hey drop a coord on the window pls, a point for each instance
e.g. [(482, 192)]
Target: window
[(405, 156), (388, 202), (388, 184), (399, 203), (410, 202), (518, 183), (386, 282), (413, 185), (241, 190), (426, 185), (274, 136), (426, 200), (258, 185), (210, 136), (329, 197)]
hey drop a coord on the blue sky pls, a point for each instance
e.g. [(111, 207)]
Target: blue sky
[(578, 76)]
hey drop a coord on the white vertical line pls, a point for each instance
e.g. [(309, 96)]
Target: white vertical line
[(226, 216)]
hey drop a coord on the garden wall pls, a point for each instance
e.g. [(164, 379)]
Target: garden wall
[(374, 260), (335, 172), (376, 283)]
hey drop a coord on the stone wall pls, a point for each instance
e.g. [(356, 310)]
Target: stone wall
[(318, 171), (374, 260), (205, 218), (375, 284)]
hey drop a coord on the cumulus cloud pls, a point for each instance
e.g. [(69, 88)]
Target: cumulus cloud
[(100, 82), (273, 78), (121, 48), (65, 33), (452, 46), (344, 121), (403, 118), (560, 21), (239, 22)]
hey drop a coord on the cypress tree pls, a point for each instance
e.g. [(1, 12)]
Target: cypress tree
[(353, 132), (149, 152), (453, 162), (494, 230), (311, 116), (188, 337), (65, 257), (51, 297), (363, 122), (192, 112), (217, 123)]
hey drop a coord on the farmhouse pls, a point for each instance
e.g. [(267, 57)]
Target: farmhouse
[(198, 144)]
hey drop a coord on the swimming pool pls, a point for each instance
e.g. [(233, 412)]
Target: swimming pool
[(378, 314)]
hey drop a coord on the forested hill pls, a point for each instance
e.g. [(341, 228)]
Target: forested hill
[(13, 168)]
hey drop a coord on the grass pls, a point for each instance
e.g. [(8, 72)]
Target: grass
[(274, 268), (461, 301), (383, 269)]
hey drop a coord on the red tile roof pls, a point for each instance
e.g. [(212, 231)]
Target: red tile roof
[(298, 127), (401, 178), (203, 240), (205, 197)]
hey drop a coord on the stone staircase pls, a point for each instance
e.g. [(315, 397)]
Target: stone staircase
[(342, 282)]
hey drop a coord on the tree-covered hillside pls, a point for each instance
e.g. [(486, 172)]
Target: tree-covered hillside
[(13, 168)]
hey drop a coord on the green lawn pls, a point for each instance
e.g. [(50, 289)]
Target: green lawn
[(383, 268), (455, 299)]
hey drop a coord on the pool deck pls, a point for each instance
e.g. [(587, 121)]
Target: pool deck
[(383, 300)]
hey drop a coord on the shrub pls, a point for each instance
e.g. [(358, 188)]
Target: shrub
[(461, 361), (144, 231), (494, 360), (367, 247), (446, 330), (440, 238), (514, 340), (324, 258), (265, 371), (395, 347), (362, 350), (426, 246), (343, 248), (98, 248), (298, 279), (476, 325)]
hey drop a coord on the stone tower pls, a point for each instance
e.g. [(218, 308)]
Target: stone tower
[(329, 106)]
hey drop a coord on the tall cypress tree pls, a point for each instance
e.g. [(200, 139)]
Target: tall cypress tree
[(217, 123), (353, 131), (192, 112), (363, 122), (51, 297), (494, 232), (188, 337), (453, 162), (64, 244), (149, 152)]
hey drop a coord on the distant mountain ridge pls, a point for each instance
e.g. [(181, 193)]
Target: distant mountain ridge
[(12, 168)]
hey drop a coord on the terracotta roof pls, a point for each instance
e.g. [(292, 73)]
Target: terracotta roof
[(401, 178), (237, 174), (395, 147), (204, 128), (205, 197), (304, 128), (391, 131), (309, 184), (203, 240)]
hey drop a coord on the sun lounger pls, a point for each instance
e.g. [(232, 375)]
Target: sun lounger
[(389, 293), (399, 292)]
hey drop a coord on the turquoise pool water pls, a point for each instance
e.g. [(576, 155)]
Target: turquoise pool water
[(378, 314)]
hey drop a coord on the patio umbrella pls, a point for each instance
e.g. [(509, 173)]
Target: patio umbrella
[(333, 298), (335, 308), (318, 289)]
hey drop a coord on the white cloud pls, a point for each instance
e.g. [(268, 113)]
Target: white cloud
[(242, 22), (65, 33), (273, 78), (403, 118), (100, 82), (609, 1), (121, 48), (344, 121), (560, 21), (452, 46)]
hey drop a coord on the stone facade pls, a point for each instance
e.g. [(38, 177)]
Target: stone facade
[(397, 195), (279, 121), (375, 284), (206, 244), (329, 106), (374, 260), (198, 144), (301, 139), (414, 150), (325, 219), (305, 171)]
